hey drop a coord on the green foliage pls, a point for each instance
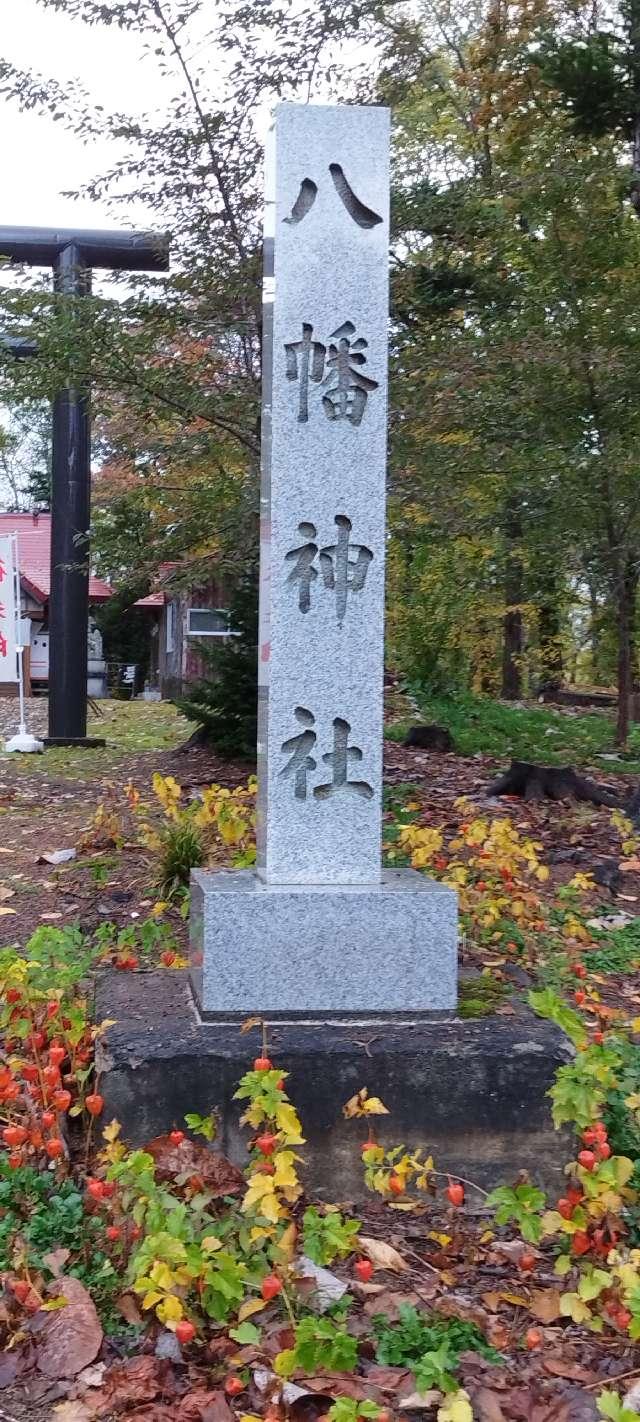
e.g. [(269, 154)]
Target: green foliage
[(59, 956), (488, 727), (429, 1345), (181, 850), (480, 996), (611, 1406), (147, 938), (591, 78), (328, 1236), (620, 952), (320, 1345), (520, 1204), (205, 1126), (346, 1409), (224, 706), (40, 1214), (548, 1004)]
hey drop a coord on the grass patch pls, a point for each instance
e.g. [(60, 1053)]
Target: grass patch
[(479, 725), (129, 728), (620, 953), (479, 997)]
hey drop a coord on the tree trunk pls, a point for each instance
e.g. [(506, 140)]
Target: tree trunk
[(627, 590), (512, 629)]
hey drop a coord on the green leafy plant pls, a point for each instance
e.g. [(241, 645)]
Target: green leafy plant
[(181, 850), (327, 1236), (610, 1405), (40, 1214), (206, 1126), (346, 1409), (406, 1343), (520, 1205), (320, 1345)]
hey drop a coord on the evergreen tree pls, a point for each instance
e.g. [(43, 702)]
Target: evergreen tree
[(225, 703)]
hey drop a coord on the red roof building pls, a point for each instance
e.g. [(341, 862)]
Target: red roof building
[(34, 555)]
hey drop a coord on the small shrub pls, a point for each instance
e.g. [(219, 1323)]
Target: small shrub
[(181, 850)]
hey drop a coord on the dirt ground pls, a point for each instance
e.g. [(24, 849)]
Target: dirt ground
[(48, 803)]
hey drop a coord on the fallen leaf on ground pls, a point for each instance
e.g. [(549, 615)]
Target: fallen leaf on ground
[(55, 1261), (389, 1379), (217, 1174), (70, 1337), (136, 1381), (158, 1412), (486, 1406), (9, 1363), (565, 1368), (127, 1305), (56, 856), (544, 1304), (420, 1401), (204, 1406), (74, 1411), (390, 1301), (341, 1385), (382, 1256)]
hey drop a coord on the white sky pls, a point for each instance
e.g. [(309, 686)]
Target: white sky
[(40, 158)]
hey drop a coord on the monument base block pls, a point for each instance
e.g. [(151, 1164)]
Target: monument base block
[(303, 951), (472, 1092)]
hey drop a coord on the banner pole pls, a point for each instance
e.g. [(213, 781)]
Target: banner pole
[(22, 741)]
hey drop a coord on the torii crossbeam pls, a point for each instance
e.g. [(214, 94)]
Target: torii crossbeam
[(72, 254)]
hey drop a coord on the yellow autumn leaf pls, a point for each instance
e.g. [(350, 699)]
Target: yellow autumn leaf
[(151, 1298), (260, 1196), (288, 1123), (362, 1104), (285, 1169), (210, 1243), (161, 1275), (571, 1306), (170, 1310), (251, 1306), (456, 1408), (112, 1131)]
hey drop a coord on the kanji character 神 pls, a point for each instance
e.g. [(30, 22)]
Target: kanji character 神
[(339, 571)]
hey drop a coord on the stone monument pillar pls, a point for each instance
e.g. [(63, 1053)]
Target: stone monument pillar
[(319, 930)]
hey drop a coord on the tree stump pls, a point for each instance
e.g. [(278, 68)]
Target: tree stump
[(552, 782)]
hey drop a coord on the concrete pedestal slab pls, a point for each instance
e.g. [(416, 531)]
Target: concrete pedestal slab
[(333, 950), (473, 1092)]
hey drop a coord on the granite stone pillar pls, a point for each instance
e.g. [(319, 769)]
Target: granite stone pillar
[(318, 929)]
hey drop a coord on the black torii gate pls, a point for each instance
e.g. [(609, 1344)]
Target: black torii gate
[(72, 255)]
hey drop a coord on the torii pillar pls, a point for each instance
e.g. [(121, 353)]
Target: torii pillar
[(72, 255)]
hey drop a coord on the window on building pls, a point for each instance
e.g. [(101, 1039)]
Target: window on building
[(170, 626), (208, 622)]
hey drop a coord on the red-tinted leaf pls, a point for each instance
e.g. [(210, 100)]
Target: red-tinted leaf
[(70, 1337)]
